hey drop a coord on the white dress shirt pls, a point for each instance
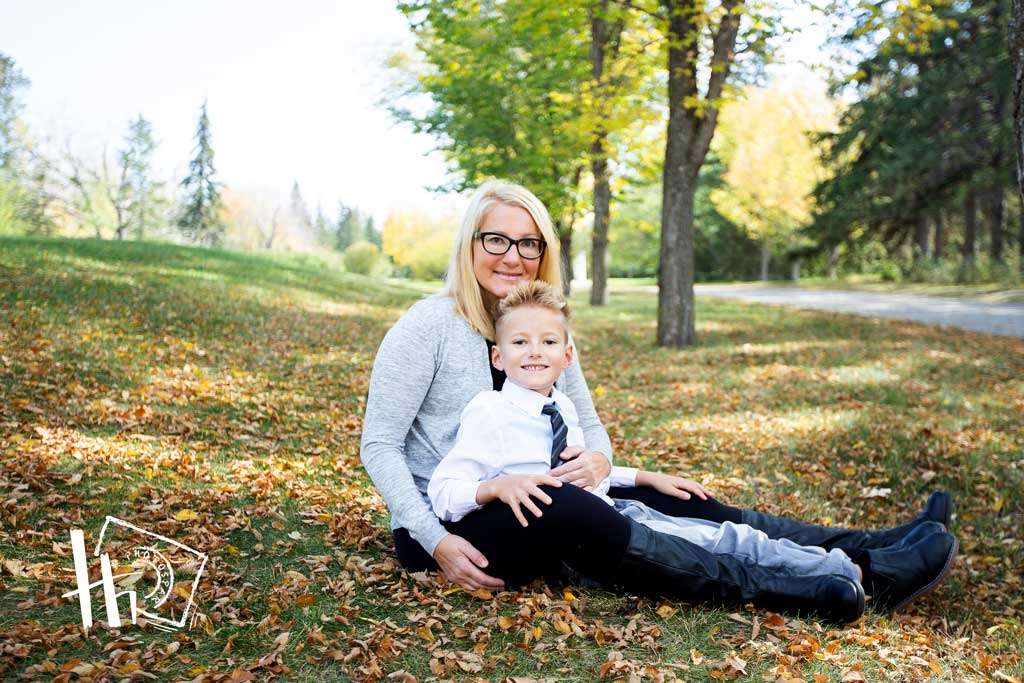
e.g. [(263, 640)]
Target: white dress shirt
[(505, 432)]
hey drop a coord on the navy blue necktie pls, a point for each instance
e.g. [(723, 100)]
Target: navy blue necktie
[(559, 433)]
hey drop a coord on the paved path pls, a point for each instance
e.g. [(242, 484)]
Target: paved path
[(968, 314)]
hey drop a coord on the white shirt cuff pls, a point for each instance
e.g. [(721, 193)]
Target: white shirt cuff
[(623, 476), (458, 499)]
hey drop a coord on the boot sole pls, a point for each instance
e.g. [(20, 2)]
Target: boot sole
[(935, 583)]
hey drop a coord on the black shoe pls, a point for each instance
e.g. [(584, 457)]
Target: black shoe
[(939, 508), (899, 575), (662, 564)]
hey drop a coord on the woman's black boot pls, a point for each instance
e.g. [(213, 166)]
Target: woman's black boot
[(657, 563), (939, 508)]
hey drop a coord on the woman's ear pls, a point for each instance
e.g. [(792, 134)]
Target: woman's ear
[(496, 358)]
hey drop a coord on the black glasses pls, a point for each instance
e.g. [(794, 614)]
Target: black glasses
[(529, 248)]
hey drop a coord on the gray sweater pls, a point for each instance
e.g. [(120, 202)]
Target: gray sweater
[(429, 366)]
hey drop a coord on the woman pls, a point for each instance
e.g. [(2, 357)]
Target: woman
[(436, 358)]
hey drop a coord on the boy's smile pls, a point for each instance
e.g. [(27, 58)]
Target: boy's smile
[(531, 347)]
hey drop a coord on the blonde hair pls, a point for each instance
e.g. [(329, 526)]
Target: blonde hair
[(460, 280), (535, 293)]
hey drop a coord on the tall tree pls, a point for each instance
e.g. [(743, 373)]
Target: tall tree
[(692, 117), (299, 211), (616, 102), (503, 81), (136, 197), (773, 164), (11, 80), (348, 227), (199, 218), (1015, 38)]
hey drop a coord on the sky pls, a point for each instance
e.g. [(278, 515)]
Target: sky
[(293, 92)]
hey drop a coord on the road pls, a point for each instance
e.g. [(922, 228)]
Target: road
[(967, 314)]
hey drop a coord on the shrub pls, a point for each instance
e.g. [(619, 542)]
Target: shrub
[(362, 258)]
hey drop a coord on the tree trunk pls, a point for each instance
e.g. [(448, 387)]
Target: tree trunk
[(833, 262), (1020, 236), (970, 227), (691, 125), (794, 269), (939, 238), (766, 258), (565, 243), (995, 223), (920, 238), (1016, 41), (599, 164)]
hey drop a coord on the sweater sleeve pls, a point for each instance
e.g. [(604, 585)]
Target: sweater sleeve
[(454, 483), (576, 388), (402, 374)]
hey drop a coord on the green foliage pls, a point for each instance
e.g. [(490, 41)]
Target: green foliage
[(722, 249), (501, 80), (362, 258), (932, 122), (349, 227), (143, 198), (11, 80), (199, 216)]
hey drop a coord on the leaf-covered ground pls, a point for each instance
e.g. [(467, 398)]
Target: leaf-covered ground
[(216, 398)]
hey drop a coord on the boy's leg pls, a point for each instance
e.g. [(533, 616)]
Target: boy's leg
[(711, 509), (747, 543), (578, 527)]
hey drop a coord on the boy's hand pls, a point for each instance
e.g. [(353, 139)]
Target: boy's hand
[(672, 485), (583, 467), (515, 490)]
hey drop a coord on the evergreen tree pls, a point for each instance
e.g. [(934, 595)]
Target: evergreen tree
[(322, 228), (372, 234), (348, 227), (198, 218), (140, 195), (11, 79), (299, 211), (928, 135)]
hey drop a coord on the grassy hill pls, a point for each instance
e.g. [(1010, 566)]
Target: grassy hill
[(216, 398)]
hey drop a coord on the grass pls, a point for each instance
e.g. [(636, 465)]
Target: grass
[(217, 397)]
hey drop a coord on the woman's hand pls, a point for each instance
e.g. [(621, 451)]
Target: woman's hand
[(461, 563), (583, 467), (515, 490), (671, 485)]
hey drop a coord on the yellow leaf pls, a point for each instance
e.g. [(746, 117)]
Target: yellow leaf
[(505, 623), (666, 611), (186, 515), (997, 504), (537, 632), (568, 596), (599, 390)]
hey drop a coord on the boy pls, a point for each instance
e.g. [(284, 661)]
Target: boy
[(508, 441)]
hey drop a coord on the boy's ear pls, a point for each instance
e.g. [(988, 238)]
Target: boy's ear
[(568, 355), (496, 358)]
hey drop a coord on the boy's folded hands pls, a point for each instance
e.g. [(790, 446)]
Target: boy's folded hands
[(517, 490)]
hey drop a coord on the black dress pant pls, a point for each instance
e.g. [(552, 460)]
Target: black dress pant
[(578, 527)]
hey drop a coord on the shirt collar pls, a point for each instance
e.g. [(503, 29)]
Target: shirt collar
[(527, 400)]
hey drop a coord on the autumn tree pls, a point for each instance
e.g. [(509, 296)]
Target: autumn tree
[(702, 40), (773, 164), (616, 102), (198, 217), (502, 81)]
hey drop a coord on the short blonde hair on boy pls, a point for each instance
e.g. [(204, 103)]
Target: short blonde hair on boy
[(534, 293)]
